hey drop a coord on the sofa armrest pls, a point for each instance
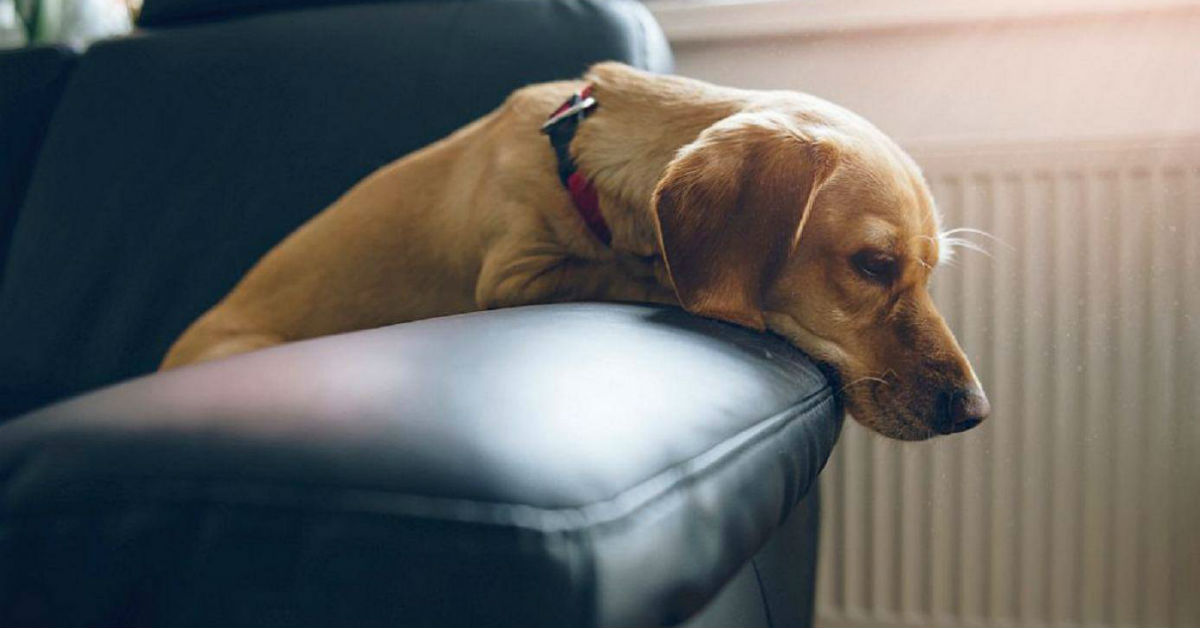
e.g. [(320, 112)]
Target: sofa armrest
[(569, 464)]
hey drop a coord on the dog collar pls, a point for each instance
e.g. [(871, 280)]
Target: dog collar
[(560, 128)]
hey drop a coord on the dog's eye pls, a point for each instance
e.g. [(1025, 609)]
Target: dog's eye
[(875, 265)]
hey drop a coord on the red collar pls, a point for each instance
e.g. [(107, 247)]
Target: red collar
[(560, 127)]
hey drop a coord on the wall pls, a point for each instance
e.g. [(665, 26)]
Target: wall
[(1017, 77)]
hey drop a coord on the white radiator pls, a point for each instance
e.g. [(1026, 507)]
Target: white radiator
[(1078, 502)]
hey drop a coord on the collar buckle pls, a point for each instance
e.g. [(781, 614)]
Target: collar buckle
[(577, 106)]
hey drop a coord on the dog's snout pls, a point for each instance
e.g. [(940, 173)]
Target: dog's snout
[(961, 409)]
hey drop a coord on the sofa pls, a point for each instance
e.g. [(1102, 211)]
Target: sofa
[(569, 464)]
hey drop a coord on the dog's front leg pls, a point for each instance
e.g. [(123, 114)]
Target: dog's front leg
[(527, 275)]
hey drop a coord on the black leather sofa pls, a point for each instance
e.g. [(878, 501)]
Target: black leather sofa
[(580, 464)]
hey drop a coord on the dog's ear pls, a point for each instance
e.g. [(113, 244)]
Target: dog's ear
[(730, 209)]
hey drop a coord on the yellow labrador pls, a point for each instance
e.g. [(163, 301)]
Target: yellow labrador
[(771, 210)]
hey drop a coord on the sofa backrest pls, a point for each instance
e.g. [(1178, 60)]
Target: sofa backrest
[(31, 80), (178, 155)]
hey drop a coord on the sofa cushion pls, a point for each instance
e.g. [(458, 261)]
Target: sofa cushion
[(581, 464), (178, 156)]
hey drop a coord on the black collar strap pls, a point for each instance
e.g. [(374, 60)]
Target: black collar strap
[(560, 128)]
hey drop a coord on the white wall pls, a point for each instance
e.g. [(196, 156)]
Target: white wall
[(1010, 78)]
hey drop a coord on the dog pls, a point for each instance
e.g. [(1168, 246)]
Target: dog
[(772, 210)]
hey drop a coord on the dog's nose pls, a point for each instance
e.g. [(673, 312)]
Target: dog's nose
[(961, 410)]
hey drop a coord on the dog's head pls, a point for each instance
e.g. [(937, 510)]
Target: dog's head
[(821, 229)]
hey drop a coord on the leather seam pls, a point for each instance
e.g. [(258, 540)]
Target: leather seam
[(501, 514), (762, 592)]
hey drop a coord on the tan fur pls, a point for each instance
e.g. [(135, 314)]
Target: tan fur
[(758, 199)]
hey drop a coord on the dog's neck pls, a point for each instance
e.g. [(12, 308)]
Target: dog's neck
[(625, 146)]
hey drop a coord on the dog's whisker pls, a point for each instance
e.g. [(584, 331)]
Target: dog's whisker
[(979, 232), (963, 242), (864, 379), (948, 242), (954, 243), (965, 230)]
